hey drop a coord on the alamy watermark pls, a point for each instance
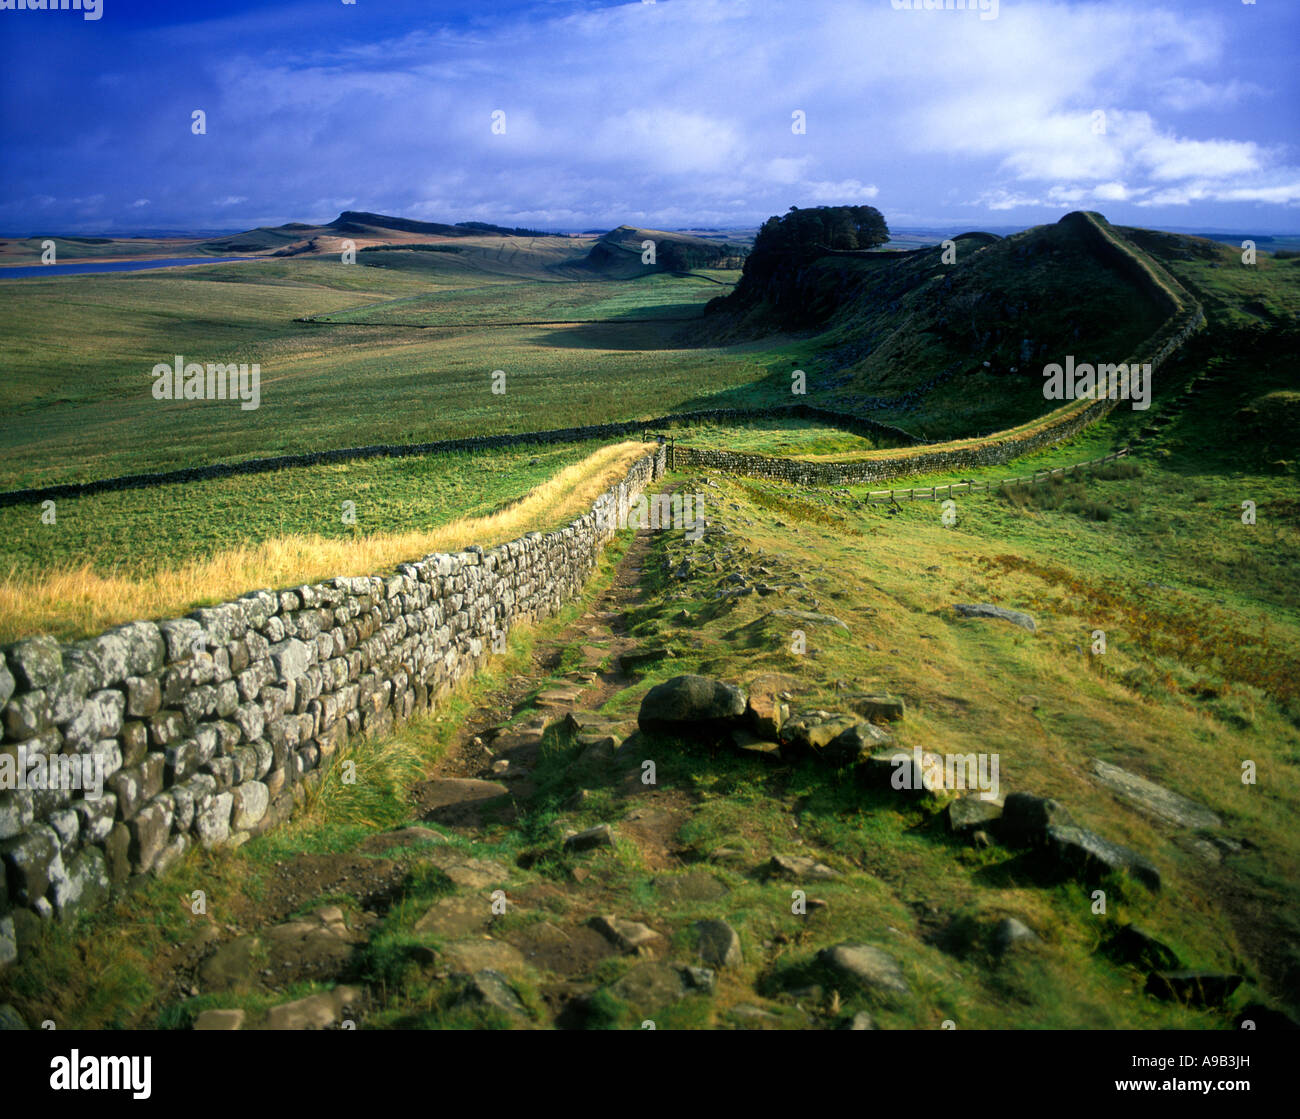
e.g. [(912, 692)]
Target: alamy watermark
[(194, 381), (946, 772), (89, 9), (67, 772), (1084, 382)]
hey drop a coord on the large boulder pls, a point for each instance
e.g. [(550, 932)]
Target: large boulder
[(987, 610), (718, 943), (695, 706), (1026, 818), (767, 707), (810, 732), (1079, 851), (1155, 800), (856, 744), (866, 966), (875, 706)]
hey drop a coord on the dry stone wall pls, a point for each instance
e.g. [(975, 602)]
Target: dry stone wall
[(472, 443), (209, 728)]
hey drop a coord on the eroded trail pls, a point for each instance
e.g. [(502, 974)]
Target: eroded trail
[(479, 786)]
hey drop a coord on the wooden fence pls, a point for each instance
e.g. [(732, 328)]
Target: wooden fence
[(936, 493)]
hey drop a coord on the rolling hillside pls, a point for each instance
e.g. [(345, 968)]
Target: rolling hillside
[(618, 254)]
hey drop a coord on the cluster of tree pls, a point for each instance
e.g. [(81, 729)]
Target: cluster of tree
[(822, 227), (777, 273), (685, 256), (504, 231)]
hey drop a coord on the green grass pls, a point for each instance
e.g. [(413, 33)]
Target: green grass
[(80, 350), (654, 296), (781, 438), (138, 531)]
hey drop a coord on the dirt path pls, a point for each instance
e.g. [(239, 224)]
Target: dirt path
[(602, 635)]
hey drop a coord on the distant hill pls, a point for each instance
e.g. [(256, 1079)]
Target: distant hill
[(618, 254), (297, 237)]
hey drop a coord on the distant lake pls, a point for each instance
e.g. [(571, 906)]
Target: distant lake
[(25, 271)]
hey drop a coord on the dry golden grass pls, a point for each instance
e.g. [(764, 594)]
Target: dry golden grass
[(77, 601)]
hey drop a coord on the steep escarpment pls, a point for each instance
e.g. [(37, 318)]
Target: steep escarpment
[(952, 340)]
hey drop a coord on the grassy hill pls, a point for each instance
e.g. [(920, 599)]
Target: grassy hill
[(947, 350), (618, 254)]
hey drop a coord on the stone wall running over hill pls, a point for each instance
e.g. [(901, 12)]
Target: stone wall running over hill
[(843, 420), (209, 728)]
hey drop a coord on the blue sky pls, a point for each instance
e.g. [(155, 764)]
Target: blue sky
[(669, 114)]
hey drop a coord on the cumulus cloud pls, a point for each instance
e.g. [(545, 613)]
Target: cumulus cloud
[(681, 113)]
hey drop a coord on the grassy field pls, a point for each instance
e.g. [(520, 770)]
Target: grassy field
[(111, 558), (79, 352), (657, 296), (782, 438)]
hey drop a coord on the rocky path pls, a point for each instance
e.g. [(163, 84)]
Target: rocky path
[(480, 782)]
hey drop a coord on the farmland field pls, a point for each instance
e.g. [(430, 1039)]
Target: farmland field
[(80, 350)]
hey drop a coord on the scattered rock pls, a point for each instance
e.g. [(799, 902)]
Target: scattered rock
[(1136, 946), (315, 1012), (627, 936), (1025, 818), (691, 705), (748, 1013), (490, 989), (866, 966), (855, 744), (799, 868), (887, 708), (651, 985), (805, 617), (1155, 800), (602, 835), (1011, 933), (700, 978), (860, 1021), (913, 771), (1091, 856), (719, 944), (986, 610), (220, 1020), (474, 955), (1193, 988), (456, 916), (233, 964), (766, 710), (466, 871), (811, 731), (693, 885), (970, 813)]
